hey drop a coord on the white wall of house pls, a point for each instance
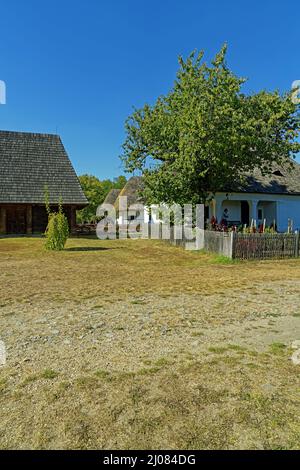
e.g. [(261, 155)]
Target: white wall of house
[(234, 209), (134, 216), (272, 207), (288, 209), (141, 214), (267, 210), (276, 207)]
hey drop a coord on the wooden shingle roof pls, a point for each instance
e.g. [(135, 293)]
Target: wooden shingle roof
[(30, 162)]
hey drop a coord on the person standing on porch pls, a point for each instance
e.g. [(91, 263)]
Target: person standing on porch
[(225, 217)]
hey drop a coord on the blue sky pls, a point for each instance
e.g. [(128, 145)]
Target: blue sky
[(77, 68)]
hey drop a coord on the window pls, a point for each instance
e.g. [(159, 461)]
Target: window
[(260, 214), (277, 173)]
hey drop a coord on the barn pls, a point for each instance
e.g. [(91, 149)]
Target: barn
[(30, 163)]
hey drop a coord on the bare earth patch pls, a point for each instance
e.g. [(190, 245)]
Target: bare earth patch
[(136, 344)]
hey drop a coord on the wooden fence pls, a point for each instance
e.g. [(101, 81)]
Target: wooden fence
[(229, 244), (186, 238), (242, 246), (252, 245), (265, 245), (218, 242)]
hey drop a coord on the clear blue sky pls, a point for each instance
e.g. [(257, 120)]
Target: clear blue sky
[(78, 68)]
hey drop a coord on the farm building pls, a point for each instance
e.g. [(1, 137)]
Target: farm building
[(112, 196), (131, 209), (29, 163), (274, 198)]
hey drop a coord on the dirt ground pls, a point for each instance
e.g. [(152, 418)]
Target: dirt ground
[(137, 344)]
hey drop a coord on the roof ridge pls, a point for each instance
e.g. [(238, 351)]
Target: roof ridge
[(32, 134)]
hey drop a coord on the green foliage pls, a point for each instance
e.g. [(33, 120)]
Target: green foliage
[(205, 133), (57, 231), (49, 374), (270, 230), (96, 191), (221, 259), (47, 199), (277, 348)]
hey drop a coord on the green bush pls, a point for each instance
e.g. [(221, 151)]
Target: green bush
[(57, 231)]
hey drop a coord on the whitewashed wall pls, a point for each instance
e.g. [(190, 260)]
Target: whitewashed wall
[(234, 209), (283, 208), (286, 207)]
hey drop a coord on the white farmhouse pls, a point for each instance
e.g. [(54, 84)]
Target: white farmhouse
[(274, 198)]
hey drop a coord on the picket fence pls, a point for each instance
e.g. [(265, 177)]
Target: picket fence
[(244, 245)]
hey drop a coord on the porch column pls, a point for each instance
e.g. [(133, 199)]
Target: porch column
[(253, 214), (218, 209), (29, 220), (3, 220), (280, 226)]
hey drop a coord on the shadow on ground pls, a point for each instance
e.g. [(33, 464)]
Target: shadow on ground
[(88, 248)]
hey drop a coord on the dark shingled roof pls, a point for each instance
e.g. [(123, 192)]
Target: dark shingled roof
[(29, 162), (283, 179)]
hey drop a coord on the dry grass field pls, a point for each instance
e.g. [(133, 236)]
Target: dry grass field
[(135, 344)]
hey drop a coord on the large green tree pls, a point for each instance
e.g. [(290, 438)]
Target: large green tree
[(205, 133), (96, 191)]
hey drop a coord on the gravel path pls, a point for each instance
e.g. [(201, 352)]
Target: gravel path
[(124, 334)]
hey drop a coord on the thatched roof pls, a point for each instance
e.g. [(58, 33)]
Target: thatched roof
[(132, 190), (283, 179), (112, 196)]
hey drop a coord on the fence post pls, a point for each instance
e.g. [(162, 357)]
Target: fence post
[(297, 244), (200, 233), (231, 249), (160, 231)]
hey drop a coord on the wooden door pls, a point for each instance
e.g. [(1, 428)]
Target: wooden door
[(245, 212), (16, 220)]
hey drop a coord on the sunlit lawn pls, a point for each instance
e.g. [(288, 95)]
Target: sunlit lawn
[(137, 344)]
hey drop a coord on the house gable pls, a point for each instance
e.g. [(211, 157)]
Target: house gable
[(30, 162)]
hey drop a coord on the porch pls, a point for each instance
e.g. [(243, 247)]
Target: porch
[(243, 211)]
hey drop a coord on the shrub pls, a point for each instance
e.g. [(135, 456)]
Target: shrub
[(57, 231)]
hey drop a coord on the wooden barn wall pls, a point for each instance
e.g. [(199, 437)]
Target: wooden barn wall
[(27, 219)]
